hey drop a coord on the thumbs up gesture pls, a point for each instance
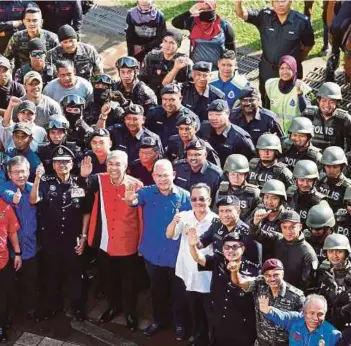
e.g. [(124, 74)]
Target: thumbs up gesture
[(17, 196)]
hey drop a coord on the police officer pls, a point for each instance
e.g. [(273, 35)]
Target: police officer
[(187, 128), (141, 168), (236, 169), (11, 14), (129, 87), (299, 146), (304, 195), (197, 95), (163, 119), (73, 109), (233, 319), (343, 216), (267, 166), (289, 246), (85, 57), (103, 106), (332, 125), (283, 32), (229, 222), (37, 56), (320, 222), (63, 230), (57, 130), (166, 65), (334, 183), (17, 48), (225, 137), (127, 136), (334, 279), (197, 169), (254, 119)]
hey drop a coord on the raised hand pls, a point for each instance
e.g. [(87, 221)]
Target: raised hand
[(14, 101), (39, 171), (17, 196), (260, 214), (86, 167), (233, 266), (106, 108), (263, 302), (193, 238), (130, 194)]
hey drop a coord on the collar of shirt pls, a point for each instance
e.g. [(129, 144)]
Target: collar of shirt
[(204, 167), (139, 134), (206, 92), (11, 186), (290, 17), (226, 130), (174, 190), (256, 117)]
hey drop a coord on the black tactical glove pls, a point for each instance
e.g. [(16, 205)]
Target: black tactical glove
[(117, 96), (82, 125), (6, 26)]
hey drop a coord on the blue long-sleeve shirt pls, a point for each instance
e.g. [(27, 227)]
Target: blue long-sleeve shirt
[(294, 323), (27, 217)]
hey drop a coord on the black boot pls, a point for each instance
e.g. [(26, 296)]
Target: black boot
[(3, 334)]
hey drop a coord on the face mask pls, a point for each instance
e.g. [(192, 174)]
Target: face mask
[(101, 96), (208, 16)]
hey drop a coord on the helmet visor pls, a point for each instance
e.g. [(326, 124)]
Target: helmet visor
[(127, 61), (101, 78)]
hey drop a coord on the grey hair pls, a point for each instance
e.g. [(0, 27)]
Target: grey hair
[(201, 186), (163, 163), (17, 160), (313, 297), (118, 154)]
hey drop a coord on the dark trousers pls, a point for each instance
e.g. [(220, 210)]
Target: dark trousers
[(25, 284), (200, 307), (63, 279), (118, 277), (6, 275), (167, 289)]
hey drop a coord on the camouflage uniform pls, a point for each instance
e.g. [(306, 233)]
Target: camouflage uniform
[(48, 73), (17, 47), (86, 60)]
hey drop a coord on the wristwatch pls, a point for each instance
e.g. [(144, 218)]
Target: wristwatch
[(103, 117), (84, 236), (18, 253)]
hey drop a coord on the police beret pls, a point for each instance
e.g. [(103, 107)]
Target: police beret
[(148, 142), (272, 263), (196, 144), (233, 236), (22, 127), (62, 153), (228, 200), (248, 92), (27, 105), (290, 215), (171, 88), (99, 133), (134, 109), (203, 66), (186, 120), (218, 106)]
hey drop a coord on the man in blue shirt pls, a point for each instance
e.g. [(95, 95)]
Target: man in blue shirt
[(16, 192), (160, 203), (228, 80)]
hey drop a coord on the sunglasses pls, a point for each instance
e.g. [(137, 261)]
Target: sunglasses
[(200, 199), (36, 54), (234, 247), (101, 78)]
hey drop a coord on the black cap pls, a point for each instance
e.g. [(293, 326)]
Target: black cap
[(171, 88), (148, 142), (203, 66), (290, 215), (196, 144), (218, 106), (134, 109), (248, 92), (22, 127), (175, 34), (66, 32), (36, 44), (233, 236), (228, 200), (186, 120), (62, 153), (99, 133), (32, 7), (27, 105)]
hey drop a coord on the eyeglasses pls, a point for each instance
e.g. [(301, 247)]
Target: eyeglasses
[(36, 54), (101, 78), (234, 247), (200, 199)]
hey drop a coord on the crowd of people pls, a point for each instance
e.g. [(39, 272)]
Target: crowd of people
[(234, 202)]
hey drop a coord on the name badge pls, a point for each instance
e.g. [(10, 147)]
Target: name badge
[(77, 192)]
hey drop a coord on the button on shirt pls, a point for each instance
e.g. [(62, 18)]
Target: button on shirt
[(186, 267), (158, 212), (27, 217)]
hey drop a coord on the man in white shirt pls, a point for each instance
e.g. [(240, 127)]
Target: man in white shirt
[(197, 283), (26, 114)]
